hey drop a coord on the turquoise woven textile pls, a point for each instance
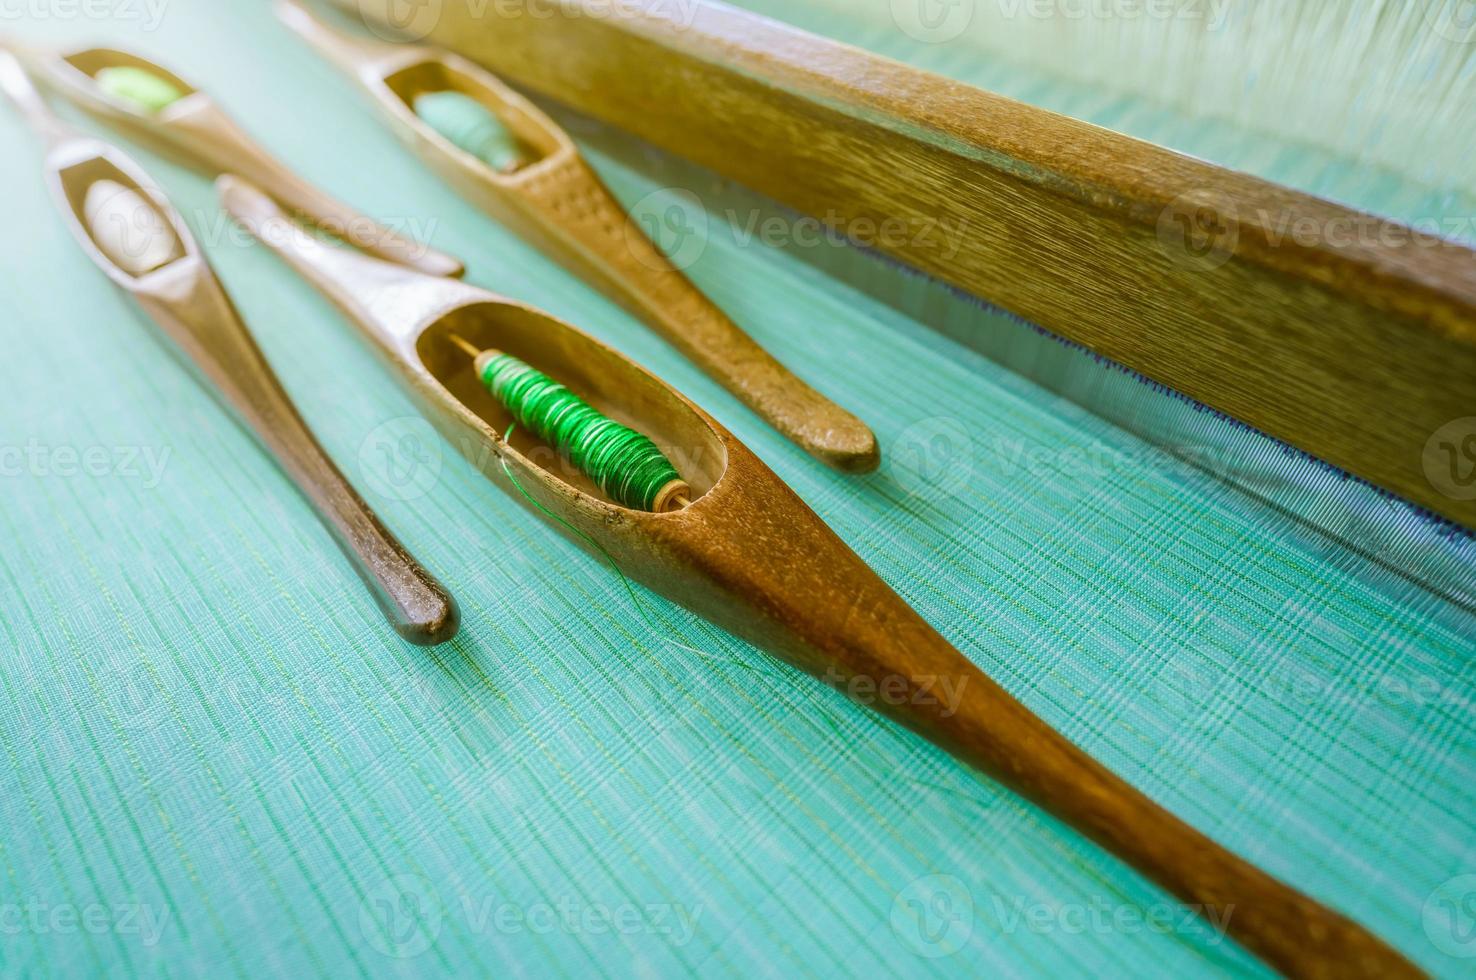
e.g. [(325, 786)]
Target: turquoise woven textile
[(218, 761)]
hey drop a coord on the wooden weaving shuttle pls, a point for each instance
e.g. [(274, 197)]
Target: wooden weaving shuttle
[(183, 298), (559, 202), (198, 133), (750, 556)]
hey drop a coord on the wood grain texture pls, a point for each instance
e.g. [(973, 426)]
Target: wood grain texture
[(187, 303), (196, 132), (1353, 339), (750, 556), (558, 202)]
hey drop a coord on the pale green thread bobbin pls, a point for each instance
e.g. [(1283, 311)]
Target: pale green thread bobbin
[(139, 87), (627, 465), (472, 127)]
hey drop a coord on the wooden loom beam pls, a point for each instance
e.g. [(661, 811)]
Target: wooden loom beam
[(1347, 336)]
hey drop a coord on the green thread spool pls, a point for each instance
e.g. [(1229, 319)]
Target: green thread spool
[(138, 86), (624, 463), (473, 128)]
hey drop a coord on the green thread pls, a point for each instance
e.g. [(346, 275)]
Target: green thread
[(143, 88), (472, 127), (625, 464), (629, 589)]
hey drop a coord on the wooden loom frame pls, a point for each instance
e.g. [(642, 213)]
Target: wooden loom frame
[(1356, 344)]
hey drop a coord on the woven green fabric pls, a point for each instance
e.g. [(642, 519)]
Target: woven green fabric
[(217, 759)]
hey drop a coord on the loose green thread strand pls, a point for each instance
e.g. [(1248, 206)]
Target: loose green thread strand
[(473, 128), (823, 711), (626, 465), (136, 85)]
